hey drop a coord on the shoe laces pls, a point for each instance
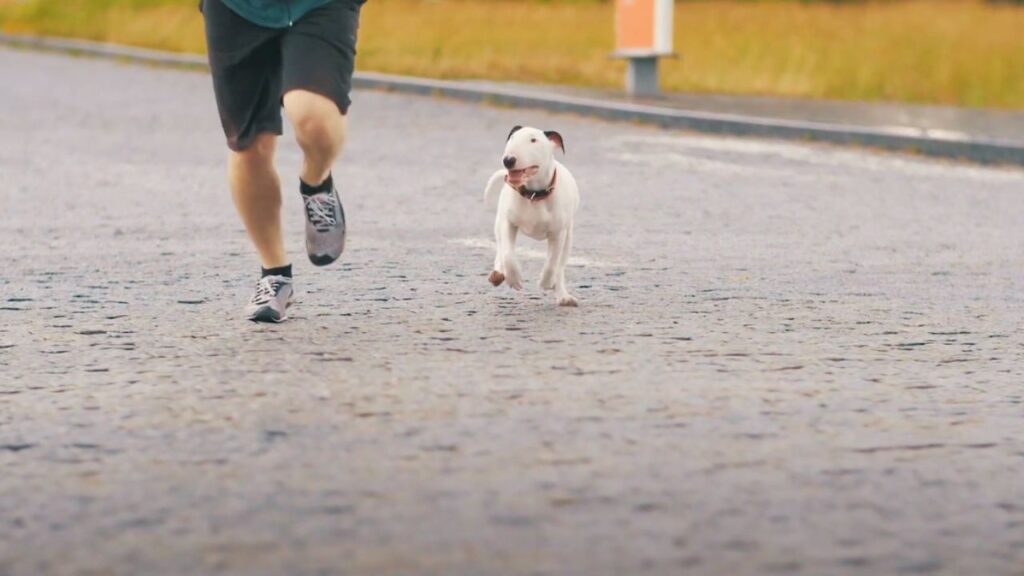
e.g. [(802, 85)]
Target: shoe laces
[(267, 288), (322, 211)]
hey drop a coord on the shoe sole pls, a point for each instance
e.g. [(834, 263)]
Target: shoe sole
[(322, 259), (268, 315)]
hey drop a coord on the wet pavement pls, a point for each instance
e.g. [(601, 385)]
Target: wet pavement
[(788, 359)]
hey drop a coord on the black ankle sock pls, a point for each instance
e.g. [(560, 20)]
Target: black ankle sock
[(285, 271), (325, 186)]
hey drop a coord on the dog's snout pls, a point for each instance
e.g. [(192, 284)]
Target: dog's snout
[(509, 162)]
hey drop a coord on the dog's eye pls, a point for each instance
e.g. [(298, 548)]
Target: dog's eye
[(533, 139)]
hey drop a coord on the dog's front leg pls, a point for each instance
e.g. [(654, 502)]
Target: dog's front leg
[(498, 274), (505, 266), (511, 268)]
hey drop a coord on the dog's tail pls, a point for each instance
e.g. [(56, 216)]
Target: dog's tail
[(494, 186)]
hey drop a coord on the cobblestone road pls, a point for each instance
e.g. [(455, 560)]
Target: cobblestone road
[(788, 359)]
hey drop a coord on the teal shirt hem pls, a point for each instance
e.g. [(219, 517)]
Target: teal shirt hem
[(273, 13)]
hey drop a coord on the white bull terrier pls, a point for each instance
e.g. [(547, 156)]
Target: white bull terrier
[(539, 197)]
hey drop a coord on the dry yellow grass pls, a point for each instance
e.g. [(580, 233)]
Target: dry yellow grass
[(964, 52), (942, 51)]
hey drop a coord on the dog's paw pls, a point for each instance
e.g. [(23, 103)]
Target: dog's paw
[(496, 278), (515, 282), (568, 300)]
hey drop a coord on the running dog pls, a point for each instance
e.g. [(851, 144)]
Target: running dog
[(538, 196)]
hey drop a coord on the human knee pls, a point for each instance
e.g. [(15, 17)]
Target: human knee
[(259, 152), (316, 119)]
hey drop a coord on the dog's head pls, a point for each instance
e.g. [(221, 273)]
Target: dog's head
[(529, 151)]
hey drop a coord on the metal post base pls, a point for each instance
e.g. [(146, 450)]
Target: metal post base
[(642, 76)]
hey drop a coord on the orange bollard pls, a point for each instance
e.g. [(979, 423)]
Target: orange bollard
[(643, 33)]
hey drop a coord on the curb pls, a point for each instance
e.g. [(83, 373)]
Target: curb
[(975, 150)]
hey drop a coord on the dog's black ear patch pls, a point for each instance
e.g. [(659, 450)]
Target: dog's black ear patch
[(514, 130), (556, 138)]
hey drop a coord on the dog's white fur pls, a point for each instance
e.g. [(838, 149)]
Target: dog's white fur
[(548, 219)]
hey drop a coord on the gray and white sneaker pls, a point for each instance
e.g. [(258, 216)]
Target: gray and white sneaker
[(325, 227), (270, 301)]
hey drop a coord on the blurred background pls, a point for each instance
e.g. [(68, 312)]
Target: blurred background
[(951, 52)]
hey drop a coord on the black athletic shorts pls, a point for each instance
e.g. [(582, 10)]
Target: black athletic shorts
[(253, 66)]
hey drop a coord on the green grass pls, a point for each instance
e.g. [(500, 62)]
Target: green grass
[(960, 52)]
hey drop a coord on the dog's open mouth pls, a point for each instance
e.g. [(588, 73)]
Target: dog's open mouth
[(519, 176)]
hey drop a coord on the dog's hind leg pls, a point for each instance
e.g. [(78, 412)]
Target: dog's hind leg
[(549, 276), (561, 292)]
